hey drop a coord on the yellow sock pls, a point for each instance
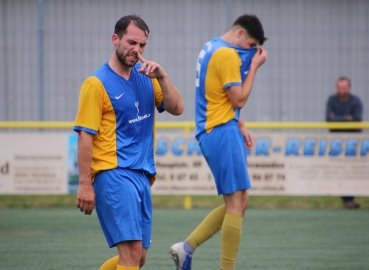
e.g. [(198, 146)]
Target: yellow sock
[(231, 238), (208, 227), (110, 264), (121, 267)]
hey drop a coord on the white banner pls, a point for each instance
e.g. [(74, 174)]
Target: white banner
[(33, 163), (279, 164)]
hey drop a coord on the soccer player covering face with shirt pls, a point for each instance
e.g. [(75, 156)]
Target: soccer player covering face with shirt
[(115, 125), (225, 73)]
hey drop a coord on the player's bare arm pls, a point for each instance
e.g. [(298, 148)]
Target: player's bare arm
[(85, 194), (238, 95), (172, 98), (249, 142)]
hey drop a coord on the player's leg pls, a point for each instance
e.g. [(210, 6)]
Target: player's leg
[(112, 263), (146, 218), (236, 198), (143, 257), (119, 209), (232, 180), (182, 252), (219, 151), (231, 224), (236, 204), (129, 255), (211, 224)]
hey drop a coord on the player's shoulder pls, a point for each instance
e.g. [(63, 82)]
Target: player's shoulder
[(96, 80), (92, 86), (225, 53), (217, 45), (227, 50), (101, 71), (92, 81)]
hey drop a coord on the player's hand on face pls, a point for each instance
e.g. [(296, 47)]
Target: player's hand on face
[(150, 68), (86, 199), (260, 57)]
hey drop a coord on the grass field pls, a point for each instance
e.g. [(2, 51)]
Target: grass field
[(64, 238)]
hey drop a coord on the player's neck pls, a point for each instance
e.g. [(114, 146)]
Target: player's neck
[(228, 37), (119, 68)]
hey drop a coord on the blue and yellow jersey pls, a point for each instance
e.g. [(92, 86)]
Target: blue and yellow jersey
[(121, 115), (219, 66)]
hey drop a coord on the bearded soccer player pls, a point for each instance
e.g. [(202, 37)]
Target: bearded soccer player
[(115, 125)]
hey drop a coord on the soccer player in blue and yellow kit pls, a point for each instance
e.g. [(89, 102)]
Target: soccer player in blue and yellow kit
[(225, 73), (115, 125)]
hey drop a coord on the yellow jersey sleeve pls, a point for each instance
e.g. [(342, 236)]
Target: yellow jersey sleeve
[(90, 108), (227, 63), (159, 98)]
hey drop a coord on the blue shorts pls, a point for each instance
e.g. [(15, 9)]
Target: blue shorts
[(225, 152), (124, 205)]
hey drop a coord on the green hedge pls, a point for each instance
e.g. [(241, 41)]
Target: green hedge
[(257, 202)]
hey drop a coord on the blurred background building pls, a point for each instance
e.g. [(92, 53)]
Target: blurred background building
[(48, 47)]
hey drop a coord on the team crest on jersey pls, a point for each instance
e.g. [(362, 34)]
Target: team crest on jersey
[(138, 118)]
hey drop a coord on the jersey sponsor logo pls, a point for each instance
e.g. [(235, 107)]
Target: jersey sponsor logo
[(118, 97), (139, 117)]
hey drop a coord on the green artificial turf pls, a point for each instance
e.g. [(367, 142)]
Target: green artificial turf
[(272, 239)]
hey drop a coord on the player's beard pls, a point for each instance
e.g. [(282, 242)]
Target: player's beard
[(124, 58)]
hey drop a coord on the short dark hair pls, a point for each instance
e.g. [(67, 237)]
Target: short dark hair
[(122, 24), (344, 78), (253, 26)]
